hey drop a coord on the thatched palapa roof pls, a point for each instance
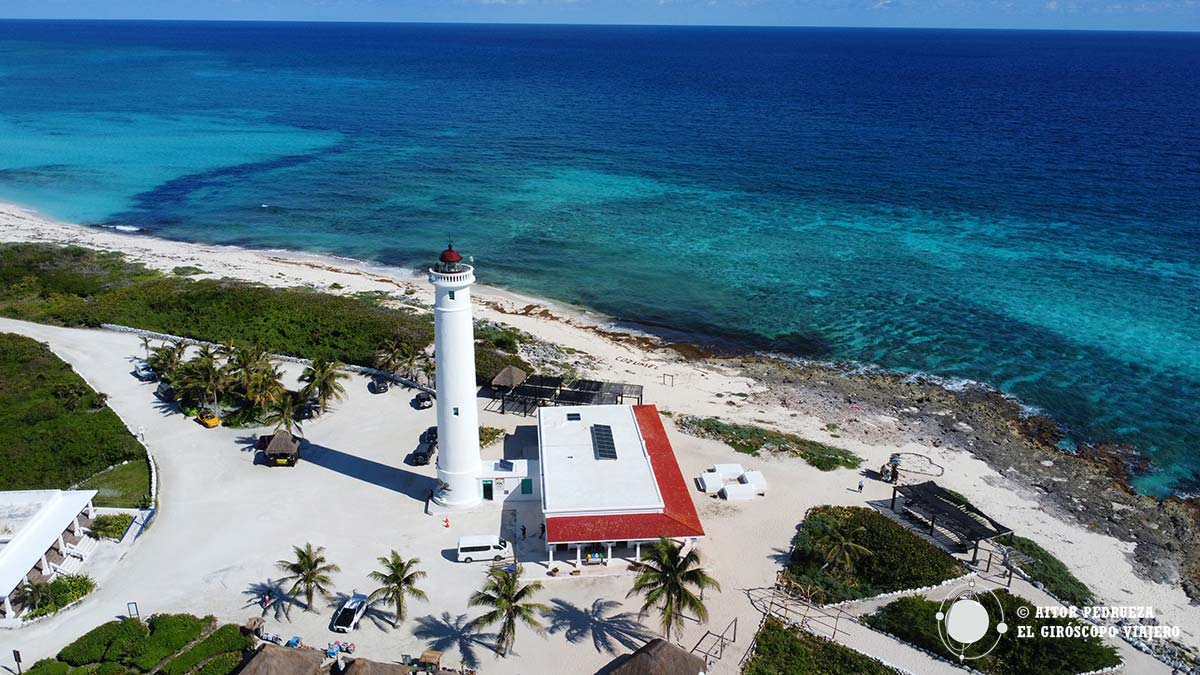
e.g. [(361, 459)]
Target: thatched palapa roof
[(509, 378), (275, 660), (365, 667), (659, 657), (283, 443)]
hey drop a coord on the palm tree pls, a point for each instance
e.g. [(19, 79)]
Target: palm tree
[(36, 594), (284, 411), (428, 368), (167, 358), (264, 385), (204, 373), (397, 578), (309, 573), (146, 344), (509, 602), (839, 548), (390, 356), (322, 380), (666, 577)]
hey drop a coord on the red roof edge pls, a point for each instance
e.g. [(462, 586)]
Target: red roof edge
[(678, 518)]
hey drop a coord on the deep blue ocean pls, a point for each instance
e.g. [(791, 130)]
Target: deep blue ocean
[(1016, 208)]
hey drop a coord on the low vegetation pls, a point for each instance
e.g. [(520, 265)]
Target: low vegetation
[(850, 552), (780, 650), (130, 646), (111, 526), (227, 639), (82, 287), (913, 619), (490, 361), (1052, 574), (123, 486), (754, 440), (54, 430), (168, 634), (44, 598), (489, 436)]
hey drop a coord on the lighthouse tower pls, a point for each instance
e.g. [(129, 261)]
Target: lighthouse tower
[(458, 462)]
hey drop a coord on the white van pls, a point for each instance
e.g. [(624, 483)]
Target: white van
[(483, 547)]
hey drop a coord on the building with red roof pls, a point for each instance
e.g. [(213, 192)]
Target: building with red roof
[(609, 479)]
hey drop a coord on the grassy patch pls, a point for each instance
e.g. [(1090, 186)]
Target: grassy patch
[(92, 646), (187, 271), (489, 436), (52, 432), (781, 650), (111, 526), (168, 634), (489, 362), (753, 440), (226, 639), (221, 665), (913, 620), (849, 552), (125, 486), (81, 287), (496, 336), (1049, 571)]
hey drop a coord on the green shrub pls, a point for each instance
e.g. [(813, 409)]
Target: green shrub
[(1057, 579), (226, 639), (914, 620), (753, 440), (780, 650), (221, 665), (111, 526), (489, 362), (109, 668), (48, 667), (64, 590), (91, 646), (489, 436), (81, 287), (894, 559), (168, 634), (494, 335), (127, 643), (44, 444)]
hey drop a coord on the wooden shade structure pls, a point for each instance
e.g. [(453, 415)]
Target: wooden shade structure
[(509, 378)]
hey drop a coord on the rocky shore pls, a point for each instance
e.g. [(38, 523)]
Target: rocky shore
[(1088, 486)]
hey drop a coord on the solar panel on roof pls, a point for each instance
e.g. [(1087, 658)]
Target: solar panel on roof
[(602, 442)]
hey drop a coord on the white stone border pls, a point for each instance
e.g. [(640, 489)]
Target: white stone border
[(907, 591)]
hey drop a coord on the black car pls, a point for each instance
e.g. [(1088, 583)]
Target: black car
[(165, 392), (378, 385), (424, 452)]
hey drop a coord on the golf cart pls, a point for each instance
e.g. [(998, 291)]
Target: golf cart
[(378, 385), (423, 401)]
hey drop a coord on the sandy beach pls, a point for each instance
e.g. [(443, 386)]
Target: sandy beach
[(681, 383)]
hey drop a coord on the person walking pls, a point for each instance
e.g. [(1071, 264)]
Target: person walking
[(522, 533), (860, 486)]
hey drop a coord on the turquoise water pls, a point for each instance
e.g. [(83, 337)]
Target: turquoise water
[(1021, 209)]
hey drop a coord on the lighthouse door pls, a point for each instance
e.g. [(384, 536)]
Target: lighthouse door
[(487, 490)]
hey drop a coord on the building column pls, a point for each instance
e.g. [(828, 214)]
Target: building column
[(45, 564), (578, 556), (637, 551), (8, 610), (62, 545), (609, 556), (549, 555), (91, 509), (75, 525)]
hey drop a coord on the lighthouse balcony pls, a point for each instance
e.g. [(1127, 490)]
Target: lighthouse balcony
[(461, 274)]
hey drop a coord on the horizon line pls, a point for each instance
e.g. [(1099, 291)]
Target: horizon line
[(608, 24)]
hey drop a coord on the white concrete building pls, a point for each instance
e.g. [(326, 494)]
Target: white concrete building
[(35, 526), (458, 463), (610, 480)]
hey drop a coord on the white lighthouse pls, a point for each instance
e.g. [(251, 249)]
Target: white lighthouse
[(458, 462)]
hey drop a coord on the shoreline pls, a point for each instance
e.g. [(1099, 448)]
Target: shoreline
[(1000, 453)]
